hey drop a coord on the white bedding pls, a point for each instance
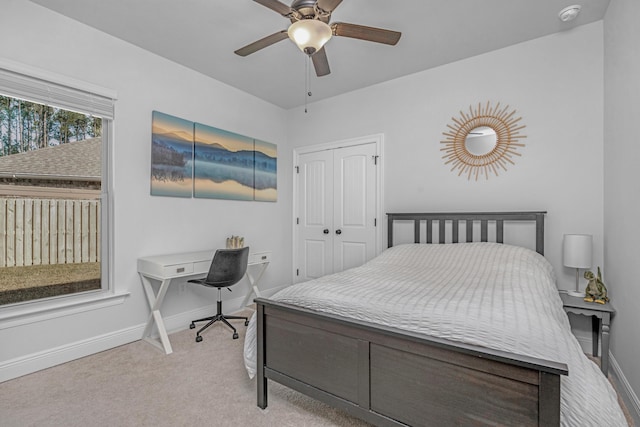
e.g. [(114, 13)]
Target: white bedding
[(492, 295)]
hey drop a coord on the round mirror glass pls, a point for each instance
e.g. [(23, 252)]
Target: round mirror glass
[(481, 140)]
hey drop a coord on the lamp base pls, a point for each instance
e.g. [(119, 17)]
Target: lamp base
[(576, 294)]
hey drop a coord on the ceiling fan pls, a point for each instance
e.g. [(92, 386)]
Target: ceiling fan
[(310, 30)]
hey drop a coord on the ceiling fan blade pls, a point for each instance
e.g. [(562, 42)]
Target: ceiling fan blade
[(262, 43), (275, 5), (361, 32), (321, 63), (328, 5)]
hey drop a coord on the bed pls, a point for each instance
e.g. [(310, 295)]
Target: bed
[(455, 333)]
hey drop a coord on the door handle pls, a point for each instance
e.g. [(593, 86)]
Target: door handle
[(338, 231), (325, 231)]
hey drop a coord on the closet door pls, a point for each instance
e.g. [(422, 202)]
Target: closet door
[(315, 215), (354, 202), (336, 222)]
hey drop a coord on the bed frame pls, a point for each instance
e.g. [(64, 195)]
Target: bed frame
[(390, 377)]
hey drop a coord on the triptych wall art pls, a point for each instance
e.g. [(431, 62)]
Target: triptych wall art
[(190, 159)]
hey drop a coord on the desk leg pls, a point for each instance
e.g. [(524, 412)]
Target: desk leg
[(155, 302), (254, 283), (606, 318)]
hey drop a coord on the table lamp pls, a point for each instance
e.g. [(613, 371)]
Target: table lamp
[(577, 253)]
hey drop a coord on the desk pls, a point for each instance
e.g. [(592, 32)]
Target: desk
[(166, 268), (600, 323)]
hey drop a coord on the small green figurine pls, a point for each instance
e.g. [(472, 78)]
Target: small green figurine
[(596, 291)]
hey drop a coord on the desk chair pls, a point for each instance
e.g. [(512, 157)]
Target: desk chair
[(227, 268)]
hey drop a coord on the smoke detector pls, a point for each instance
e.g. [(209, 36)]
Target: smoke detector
[(569, 13)]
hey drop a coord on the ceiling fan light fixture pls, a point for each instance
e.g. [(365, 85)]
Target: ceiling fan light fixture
[(310, 35)]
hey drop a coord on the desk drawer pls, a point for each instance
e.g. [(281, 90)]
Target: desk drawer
[(259, 257), (201, 267), (177, 270)]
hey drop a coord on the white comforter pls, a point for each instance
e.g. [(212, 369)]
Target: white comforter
[(492, 295)]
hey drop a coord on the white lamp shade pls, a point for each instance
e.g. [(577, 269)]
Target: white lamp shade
[(309, 35), (577, 250)]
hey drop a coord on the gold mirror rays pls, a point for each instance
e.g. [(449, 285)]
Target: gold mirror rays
[(507, 132)]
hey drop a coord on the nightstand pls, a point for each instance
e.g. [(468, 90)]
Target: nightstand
[(601, 315)]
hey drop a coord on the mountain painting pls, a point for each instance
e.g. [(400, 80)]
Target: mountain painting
[(191, 159), (171, 156), (265, 171), (223, 164)]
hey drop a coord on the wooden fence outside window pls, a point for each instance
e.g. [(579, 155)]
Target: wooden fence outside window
[(48, 231)]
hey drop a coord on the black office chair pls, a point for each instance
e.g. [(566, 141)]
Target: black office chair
[(227, 268)]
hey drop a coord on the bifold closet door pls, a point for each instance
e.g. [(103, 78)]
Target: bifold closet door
[(337, 199)]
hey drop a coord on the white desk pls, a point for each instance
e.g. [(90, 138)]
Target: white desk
[(166, 268)]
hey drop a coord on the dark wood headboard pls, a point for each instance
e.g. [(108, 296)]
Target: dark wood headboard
[(469, 218)]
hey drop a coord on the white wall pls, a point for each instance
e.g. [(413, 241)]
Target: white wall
[(554, 83), (621, 184), (145, 225)]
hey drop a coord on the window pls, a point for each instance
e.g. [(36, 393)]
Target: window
[(54, 189)]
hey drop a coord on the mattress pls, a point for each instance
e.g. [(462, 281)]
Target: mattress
[(487, 294)]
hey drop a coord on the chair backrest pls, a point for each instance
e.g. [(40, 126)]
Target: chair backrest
[(228, 267)]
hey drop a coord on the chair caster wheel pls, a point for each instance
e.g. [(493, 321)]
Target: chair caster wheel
[(246, 323), (235, 335), (198, 338), (192, 326)]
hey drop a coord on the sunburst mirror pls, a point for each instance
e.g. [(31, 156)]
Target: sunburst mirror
[(482, 141)]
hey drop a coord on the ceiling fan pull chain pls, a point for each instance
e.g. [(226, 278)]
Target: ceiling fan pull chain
[(307, 83)]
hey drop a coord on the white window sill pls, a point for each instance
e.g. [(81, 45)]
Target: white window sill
[(33, 312)]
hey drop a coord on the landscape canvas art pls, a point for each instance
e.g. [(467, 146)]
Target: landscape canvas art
[(265, 171), (223, 164), (190, 159), (171, 156)]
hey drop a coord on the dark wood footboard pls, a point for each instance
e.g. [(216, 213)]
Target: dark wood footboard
[(390, 377)]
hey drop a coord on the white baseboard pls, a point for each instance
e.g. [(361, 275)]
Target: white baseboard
[(624, 388), (45, 359), (629, 396), (34, 362), (585, 343)]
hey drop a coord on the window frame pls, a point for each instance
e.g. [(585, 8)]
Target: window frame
[(36, 85)]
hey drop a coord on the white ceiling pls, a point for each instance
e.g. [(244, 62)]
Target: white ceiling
[(203, 34)]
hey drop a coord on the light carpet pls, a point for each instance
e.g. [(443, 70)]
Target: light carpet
[(199, 384)]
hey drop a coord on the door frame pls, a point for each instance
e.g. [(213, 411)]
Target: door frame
[(378, 140)]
